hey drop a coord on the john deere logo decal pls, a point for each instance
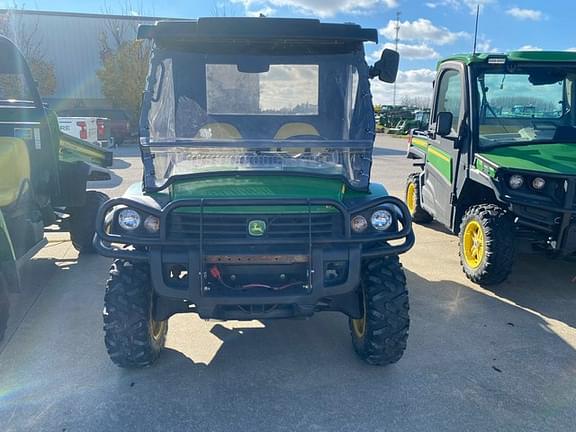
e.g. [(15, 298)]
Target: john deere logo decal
[(256, 228)]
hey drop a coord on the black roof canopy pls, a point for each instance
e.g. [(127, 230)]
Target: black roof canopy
[(272, 29)]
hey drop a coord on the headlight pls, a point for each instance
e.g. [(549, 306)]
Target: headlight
[(538, 183), (129, 219), (152, 224), (359, 224), (516, 181), (381, 220)]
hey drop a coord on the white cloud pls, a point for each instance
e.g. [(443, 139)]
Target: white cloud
[(457, 4), (407, 51), (525, 14), (485, 45), (421, 29), (320, 8), (266, 11), (473, 4), (573, 49), (410, 83), (529, 48)]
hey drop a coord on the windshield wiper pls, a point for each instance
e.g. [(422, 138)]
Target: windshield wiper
[(485, 106)]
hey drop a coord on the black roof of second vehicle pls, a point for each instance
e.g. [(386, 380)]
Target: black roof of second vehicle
[(256, 28)]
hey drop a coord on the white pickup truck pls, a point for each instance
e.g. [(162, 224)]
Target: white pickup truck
[(91, 129)]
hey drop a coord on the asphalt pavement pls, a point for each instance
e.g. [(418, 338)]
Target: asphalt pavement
[(477, 360)]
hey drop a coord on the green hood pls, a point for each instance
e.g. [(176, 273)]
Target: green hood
[(542, 158), (258, 187), (261, 187)]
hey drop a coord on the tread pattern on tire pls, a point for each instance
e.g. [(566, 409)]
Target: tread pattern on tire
[(420, 215), (127, 314), (499, 243), (83, 221), (387, 312)]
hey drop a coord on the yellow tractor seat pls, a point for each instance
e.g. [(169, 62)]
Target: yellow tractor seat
[(294, 130), (14, 169), (218, 131)]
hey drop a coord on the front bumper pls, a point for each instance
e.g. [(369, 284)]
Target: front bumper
[(311, 256), (556, 222)]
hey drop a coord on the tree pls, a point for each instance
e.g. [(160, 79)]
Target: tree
[(24, 33), (123, 75), (124, 61), (377, 108), (420, 102)]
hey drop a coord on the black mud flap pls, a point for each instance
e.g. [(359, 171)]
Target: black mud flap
[(570, 240)]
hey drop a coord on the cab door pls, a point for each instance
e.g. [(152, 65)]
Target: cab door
[(443, 153)]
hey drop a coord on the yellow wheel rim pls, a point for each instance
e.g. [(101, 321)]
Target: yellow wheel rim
[(157, 327), (473, 244), (411, 197), (359, 325)]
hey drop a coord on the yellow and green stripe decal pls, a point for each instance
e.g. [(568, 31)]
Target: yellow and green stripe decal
[(439, 159), (420, 143), (442, 161)]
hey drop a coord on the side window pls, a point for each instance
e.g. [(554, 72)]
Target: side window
[(449, 98)]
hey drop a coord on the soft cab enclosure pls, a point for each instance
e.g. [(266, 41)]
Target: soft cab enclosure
[(241, 103)]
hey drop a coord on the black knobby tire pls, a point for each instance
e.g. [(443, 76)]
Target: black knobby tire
[(83, 222), (419, 215), (499, 244), (4, 307), (133, 339), (386, 319)]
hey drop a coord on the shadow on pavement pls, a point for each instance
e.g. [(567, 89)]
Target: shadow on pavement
[(120, 164), (544, 285), (382, 151), (14, 306), (474, 362)]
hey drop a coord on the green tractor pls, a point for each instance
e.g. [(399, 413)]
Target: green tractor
[(43, 176), (498, 163), (256, 203)]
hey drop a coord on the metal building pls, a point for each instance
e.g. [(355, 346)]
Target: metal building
[(71, 42)]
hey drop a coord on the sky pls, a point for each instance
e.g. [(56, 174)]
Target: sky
[(429, 30)]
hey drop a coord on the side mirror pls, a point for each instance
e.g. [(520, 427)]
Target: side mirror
[(444, 123), (386, 68)]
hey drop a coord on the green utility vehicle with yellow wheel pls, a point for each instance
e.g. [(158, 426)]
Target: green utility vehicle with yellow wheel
[(256, 137), (43, 176), (498, 162)]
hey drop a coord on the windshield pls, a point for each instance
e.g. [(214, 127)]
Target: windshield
[(529, 104), (220, 113)]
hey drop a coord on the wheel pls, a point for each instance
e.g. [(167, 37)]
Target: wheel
[(486, 244), (419, 215), (83, 222), (4, 307), (379, 337), (133, 338)]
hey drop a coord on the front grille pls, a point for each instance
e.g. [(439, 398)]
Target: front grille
[(186, 226)]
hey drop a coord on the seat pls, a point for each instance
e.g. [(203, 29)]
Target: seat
[(295, 130), (14, 169), (218, 131)]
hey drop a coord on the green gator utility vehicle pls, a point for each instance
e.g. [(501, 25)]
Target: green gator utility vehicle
[(256, 137), (43, 175), (499, 159)]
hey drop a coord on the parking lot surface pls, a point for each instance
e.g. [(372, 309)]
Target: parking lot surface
[(477, 360)]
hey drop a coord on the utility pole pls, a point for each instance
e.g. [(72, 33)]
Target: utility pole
[(396, 47)]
